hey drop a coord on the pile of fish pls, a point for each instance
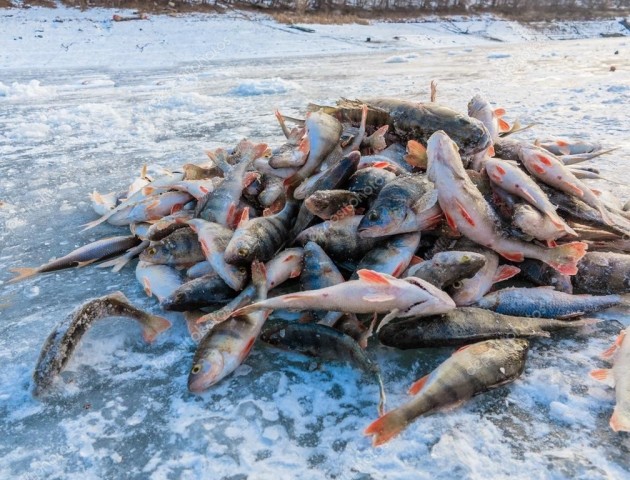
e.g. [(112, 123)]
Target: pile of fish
[(379, 217)]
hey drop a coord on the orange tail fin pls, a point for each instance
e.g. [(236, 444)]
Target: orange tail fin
[(386, 427), (619, 423), (154, 327), (23, 273), (565, 257)]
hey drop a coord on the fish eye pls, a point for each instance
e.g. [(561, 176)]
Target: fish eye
[(373, 216), (196, 369), (152, 251), (242, 252), (242, 270)]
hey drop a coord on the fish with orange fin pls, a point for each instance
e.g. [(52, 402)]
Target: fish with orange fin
[(372, 292), (618, 378), (158, 280), (471, 370), (221, 205), (85, 255), (64, 338), (467, 211), (227, 345), (512, 179), (550, 170)]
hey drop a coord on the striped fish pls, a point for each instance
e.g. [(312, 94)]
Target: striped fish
[(471, 370)]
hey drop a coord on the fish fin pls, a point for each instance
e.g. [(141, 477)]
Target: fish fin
[(527, 196), (465, 214), (604, 375), (23, 273), (544, 159), (283, 126), (370, 276), (610, 352), (365, 336), (504, 126), (248, 348), (570, 315), (512, 256), (249, 178), (118, 263), (505, 272), (386, 427), (147, 287), (93, 224), (382, 165), (418, 385), (86, 263), (415, 260), (551, 243), (259, 274), (378, 297), (605, 215), (245, 310), (490, 152), (618, 423), (451, 222), (377, 139), (156, 325), (388, 318), (461, 348), (232, 215), (416, 154), (244, 217), (565, 257), (574, 188), (499, 112)]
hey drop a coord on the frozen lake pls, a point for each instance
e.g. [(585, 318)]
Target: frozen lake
[(123, 410)]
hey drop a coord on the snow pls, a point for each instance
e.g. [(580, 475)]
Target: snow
[(89, 116)]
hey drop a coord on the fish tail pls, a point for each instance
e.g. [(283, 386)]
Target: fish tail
[(377, 139), (416, 154), (153, 327), (246, 310), (565, 257), (251, 151), (95, 223), (619, 422), (386, 427), (23, 273), (560, 223), (605, 215)]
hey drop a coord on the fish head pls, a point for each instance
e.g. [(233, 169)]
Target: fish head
[(384, 218), (157, 253), (206, 372), (477, 105), (239, 251), (442, 152), (430, 300)]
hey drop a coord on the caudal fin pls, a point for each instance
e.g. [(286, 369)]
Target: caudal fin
[(386, 427), (565, 257), (377, 139), (619, 422), (23, 273), (95, 223), (153, 327)]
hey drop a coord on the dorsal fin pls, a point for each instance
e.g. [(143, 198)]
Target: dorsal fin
[(371, 276)]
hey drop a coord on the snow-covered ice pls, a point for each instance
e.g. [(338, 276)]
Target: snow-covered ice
[(161, 91)]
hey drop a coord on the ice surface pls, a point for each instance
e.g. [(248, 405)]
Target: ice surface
[(89, 118)]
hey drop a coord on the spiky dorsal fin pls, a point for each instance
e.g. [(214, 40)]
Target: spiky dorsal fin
[(370, 276)]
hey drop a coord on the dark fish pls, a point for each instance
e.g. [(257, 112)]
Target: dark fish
[(336, 175), (603, 273), (542, 275), (466, 325), (392, 257), (544, 302), (326, 343), (446, 268), (84, 255), (62, 341), (198, 293), (181, 247), (471, 370), (368, 182), (327, 204), (260, 238)]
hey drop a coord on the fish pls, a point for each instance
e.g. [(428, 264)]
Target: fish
[(167, 225), (104, 203), (550, 170), (372, 292), (533, 223), (368, 182), (228, 344), (446, 268), (197, 188), (294, 152), (542, 274), (482, 110), (468, 212), (544, 302), (513, 180), (221, 205), (118, 263), (214, 239), (466, 325), (338, 174), (470, 290), (392, 257), (323, 132), (339, 239), (204, 291), (285, 265), (158, 280), (603, 273), (323, 342), (180, 248), (260, 238), (60, 344), (568, 147), (273, 191), (85, 255), (617, 378), (394, 202), (471, 370), (319, 271), (327, 204), (199, 270)]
